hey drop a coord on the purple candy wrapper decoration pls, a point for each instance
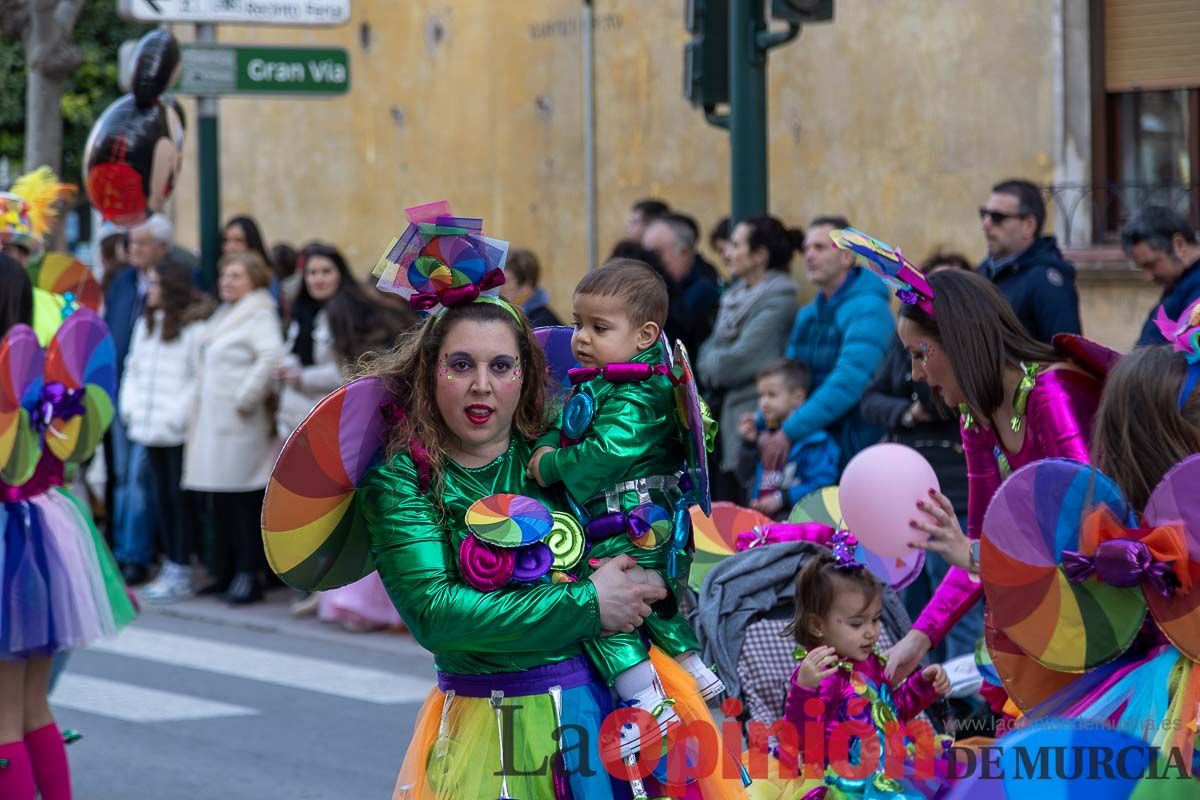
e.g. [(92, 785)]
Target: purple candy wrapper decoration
[(485, 567), (532, 562)]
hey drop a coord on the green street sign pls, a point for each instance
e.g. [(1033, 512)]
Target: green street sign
[(215, 69)]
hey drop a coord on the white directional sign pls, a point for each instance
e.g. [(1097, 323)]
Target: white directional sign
[(239, 12)]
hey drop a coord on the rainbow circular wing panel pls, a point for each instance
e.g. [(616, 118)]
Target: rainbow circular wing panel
[(1027, 682), (21, 362), (716, 535), (82, 359), (556, 344), (687, 399), (314, 532), (61, 274), (1033, 518), (1176, 501), (509, 520), (824, 507)]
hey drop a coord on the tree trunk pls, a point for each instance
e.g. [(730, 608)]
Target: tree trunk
[(43, 121), (51, 55)]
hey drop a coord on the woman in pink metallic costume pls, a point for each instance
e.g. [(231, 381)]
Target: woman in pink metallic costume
[(1020, 401)]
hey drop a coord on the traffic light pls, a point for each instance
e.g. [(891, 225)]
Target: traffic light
[(706, 56), (800, 12)]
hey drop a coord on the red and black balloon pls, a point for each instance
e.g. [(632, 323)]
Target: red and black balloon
[(135, 149)]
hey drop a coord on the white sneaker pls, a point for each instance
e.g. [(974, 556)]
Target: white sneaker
[(630, 740), (174, 583)]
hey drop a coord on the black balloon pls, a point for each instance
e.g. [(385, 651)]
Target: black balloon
[(156, 63), (135, 149)]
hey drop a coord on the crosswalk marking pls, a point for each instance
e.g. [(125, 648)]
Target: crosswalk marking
[(136, 703), (252, 663)]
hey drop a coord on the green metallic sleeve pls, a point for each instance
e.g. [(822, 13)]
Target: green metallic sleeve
[(415, 559), (632, 422)]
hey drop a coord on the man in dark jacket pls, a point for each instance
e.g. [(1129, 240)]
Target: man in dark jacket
[(1026, 267), (693, 295), (1162, 243)]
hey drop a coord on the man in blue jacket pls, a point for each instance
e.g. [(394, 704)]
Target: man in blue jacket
[(1161, 243), (1026, 267), (841, 336), (133, 511)]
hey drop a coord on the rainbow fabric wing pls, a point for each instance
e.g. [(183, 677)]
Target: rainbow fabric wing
[(1176, 501), (691, 417), (1035, 516), (824, 507), (716, 535), (60, 274), (439, 253), (21, 362), (78, 393), (556, 344), (313, 529)]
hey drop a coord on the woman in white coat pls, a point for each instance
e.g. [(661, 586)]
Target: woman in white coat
[(157, 390), (231, 443)]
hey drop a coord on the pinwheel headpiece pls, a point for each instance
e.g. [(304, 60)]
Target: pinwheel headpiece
[(1184, 334), (890, 264), (442, 260), (27, 212)]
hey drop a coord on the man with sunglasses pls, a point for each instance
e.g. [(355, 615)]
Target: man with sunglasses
[(1026, 267)]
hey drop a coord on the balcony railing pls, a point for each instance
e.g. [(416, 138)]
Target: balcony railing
[(1085, 215)]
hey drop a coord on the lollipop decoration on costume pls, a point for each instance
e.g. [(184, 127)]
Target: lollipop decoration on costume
[(21, 363), (78, 395), (1069, 574), (889, 264), (1184, 334), (314, 533), (442, 260), (61, 274), (515, 539)]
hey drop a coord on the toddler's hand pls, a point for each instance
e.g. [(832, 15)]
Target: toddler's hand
[(770, 505), (817, 666), (937, 676), (532, 470), (747, 428)]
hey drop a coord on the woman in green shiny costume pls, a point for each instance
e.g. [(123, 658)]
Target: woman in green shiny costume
[(510, 665)]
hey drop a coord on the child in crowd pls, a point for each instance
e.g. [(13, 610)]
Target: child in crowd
[(839, 606), (812, 462), (619, 451)]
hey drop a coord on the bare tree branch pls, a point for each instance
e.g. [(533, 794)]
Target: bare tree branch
[(14, 20)]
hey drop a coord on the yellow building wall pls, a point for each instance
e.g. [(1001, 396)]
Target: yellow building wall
[(899, 114)]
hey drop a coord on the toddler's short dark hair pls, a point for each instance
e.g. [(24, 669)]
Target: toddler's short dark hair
[(641, 289), (795, 375)]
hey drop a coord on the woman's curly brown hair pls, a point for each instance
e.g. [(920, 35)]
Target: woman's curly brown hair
[(410, 373)]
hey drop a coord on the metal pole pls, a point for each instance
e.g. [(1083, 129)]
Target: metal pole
[(210, 175), (589, 127), (748, 109)]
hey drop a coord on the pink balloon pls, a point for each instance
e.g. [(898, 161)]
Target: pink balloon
[(878, 495)]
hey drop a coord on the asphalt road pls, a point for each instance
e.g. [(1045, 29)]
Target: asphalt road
[(199, 700)]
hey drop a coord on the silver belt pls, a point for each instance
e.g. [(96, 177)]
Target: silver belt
[(642, 486)]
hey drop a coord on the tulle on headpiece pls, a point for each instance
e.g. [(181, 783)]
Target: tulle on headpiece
[(442, 260), (843, 545), (890, 264), (1184, 334), (28, 210)]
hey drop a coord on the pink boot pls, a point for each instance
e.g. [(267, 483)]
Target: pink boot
[(48, 756), (16, 775)]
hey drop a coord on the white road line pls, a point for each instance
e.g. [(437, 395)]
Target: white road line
[(252, 663), (135, 703)]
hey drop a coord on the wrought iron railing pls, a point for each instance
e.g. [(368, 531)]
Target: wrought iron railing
[(1084, 215)]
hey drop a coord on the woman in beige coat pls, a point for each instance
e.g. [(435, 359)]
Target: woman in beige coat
[(231, 441)]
